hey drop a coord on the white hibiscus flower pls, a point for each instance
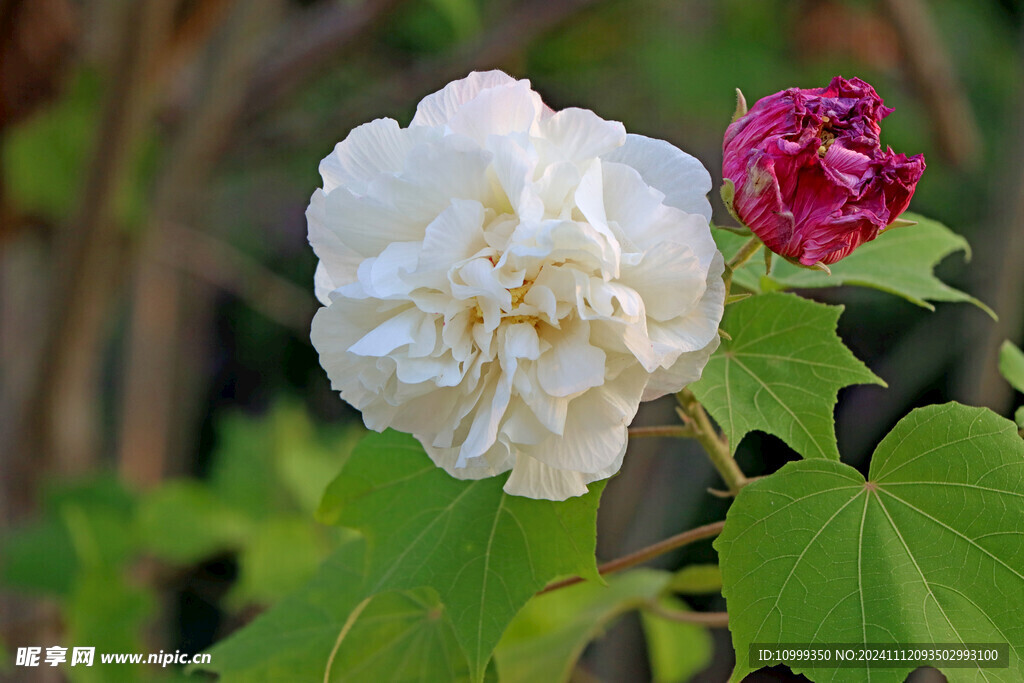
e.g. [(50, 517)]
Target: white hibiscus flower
[(507, 282)]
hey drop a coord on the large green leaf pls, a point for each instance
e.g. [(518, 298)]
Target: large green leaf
[(900, 261), (485, 552), (403, 636), (930, 549), (781, 373)]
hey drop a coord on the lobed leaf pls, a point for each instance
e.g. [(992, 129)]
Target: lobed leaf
[(900, 261), (780, 373), (930, 549)]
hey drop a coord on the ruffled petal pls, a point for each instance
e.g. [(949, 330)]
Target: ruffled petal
[(680, 177), (438, 108), (534, 479)]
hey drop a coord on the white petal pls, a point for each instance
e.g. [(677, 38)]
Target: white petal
[(579, 135), (437, 108), (435, 173), (382, 277), (365, 226), (514, 166), (534, 479), (369, 150), (394, 332), (670, 280), (495, 461), (338, 263), (595, 427), (687, 368), (572, 365), (680, 177), (699, 326), (503, 110), (489, 412), (455, 235)]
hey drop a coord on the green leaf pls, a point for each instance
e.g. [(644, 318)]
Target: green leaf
[(39, 557), (677, 650), (404, 636), (548, 635), (44, 156), (929, 550), (900, 261), (1011, 365), (484, 551), (780, 373), (183, 521), (280, 555), (108, 612), (697, 579)]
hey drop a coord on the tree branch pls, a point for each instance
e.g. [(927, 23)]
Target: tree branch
[(645, 554)]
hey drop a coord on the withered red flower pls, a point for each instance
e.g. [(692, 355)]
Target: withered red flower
[(811, 178)]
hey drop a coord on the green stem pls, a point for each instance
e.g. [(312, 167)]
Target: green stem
[(716, 447), (644, 554), (709, 619), (678, 431), (748, 249)]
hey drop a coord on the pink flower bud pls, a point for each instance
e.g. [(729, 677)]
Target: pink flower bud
[(811, 179)]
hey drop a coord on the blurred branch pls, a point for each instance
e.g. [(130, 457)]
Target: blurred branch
[(511, 35), (190, 37), (955, 128), (163, 343), (999, 276), (307, 45), (222, 265), (60, 415)]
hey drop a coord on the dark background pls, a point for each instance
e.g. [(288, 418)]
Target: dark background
[(165, 428)]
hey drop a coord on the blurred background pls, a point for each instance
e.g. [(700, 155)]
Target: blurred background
[(165, 428)]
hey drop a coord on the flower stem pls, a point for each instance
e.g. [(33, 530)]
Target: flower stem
[(748, 249), (716, 447), (644, 554)]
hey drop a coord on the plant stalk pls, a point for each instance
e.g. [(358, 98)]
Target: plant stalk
[(748, 249), (716, 447), (645, 554)]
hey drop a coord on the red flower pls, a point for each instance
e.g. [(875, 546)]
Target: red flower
[(811, 179)]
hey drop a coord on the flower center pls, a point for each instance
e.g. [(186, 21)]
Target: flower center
[(827, 137)]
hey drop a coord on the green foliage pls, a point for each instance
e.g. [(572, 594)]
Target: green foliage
[(280, 554), (183, 522), (900, 261), (928, 550), (780, 373), (548, 635), (444, 568), (399, 636), (697, 579), (485, 552), (44, 157), (108, 612), (677, 650), (1011, 365)]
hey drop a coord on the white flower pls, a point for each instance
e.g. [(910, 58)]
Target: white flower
[(507, 282)]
